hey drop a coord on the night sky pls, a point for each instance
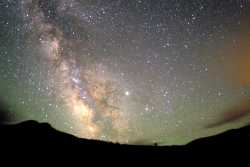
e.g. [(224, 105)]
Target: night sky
[(129, 71)]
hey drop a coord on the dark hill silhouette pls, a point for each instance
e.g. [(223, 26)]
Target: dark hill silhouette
[(40, 140)]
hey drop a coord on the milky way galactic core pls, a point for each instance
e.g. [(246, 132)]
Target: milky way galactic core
[(136, 72)]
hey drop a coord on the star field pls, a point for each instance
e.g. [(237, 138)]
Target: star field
[(134, 72)]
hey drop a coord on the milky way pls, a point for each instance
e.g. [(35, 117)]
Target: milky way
[(135, 72), (91, 94)]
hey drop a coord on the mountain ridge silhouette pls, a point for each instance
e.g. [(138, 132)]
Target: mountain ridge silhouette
[(33, 139)]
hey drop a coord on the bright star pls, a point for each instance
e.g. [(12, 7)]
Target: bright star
[(127, 93)]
